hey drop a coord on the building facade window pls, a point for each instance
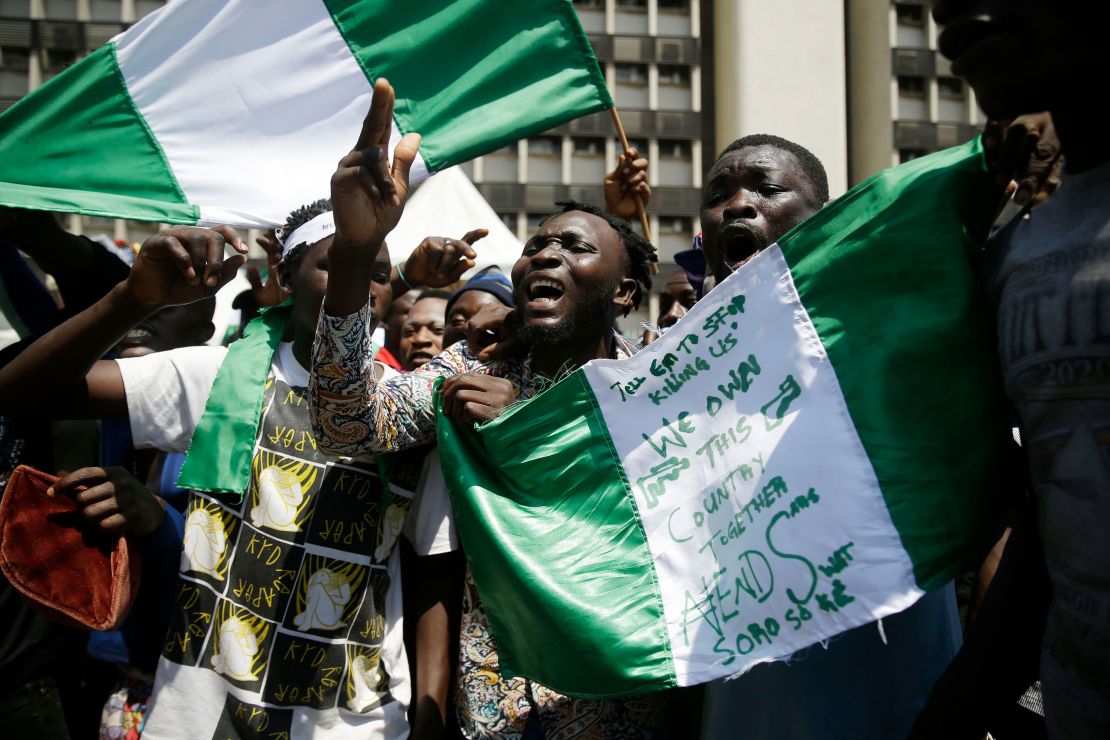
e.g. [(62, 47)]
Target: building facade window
[(632, 86), (15, 8), (911, 99)]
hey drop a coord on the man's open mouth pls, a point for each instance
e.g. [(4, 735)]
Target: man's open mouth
[(139, 335), (738, 245), (543, 292)]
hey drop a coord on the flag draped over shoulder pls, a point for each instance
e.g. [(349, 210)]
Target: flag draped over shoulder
[(236, 111), (808, 450)]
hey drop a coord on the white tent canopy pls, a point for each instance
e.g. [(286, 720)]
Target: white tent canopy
[(448, 204)]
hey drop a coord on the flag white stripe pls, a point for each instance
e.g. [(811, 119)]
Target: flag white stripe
[(230, 98)]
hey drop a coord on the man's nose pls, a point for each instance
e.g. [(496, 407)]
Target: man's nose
[(741, 205), (674, 313), (547, 255)]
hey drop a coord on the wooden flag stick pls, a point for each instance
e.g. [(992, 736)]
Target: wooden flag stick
[(639, 202)]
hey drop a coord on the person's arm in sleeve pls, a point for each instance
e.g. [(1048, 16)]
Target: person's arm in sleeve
[(368, 198)]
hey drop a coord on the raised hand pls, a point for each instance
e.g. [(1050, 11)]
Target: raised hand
[(624, 183), (438, 261), (112, 500), (367, 195), (270, 293), (1025, 156), (183, 264)]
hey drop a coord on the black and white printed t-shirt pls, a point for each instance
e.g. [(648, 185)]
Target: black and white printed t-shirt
[(288, 615)]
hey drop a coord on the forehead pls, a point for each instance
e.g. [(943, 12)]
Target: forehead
[(471, 300), (427, 311), (677, 283), (764, 159), (594, 228)]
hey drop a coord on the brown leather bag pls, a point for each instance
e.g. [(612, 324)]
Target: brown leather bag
[(50, 554)]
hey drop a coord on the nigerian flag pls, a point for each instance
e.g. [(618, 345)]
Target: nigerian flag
[(236, 111), (808, 450)]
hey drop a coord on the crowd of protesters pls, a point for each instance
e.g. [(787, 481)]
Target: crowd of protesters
[(280, 612)]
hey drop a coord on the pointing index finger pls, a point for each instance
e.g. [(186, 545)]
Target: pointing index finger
[(379, 119)]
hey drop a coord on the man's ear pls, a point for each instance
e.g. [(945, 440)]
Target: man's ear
[(284, 276), (625, 295)]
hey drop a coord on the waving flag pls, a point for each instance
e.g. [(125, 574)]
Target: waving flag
[(236, 111), (809, 449)]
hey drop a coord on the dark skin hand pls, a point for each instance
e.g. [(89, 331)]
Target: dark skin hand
[(112, 500), (490, 330), (473, 399), (437, 262), (270, 293), (176, 266), (628, 180), (368, 199), (38, 234), (1025, 156)]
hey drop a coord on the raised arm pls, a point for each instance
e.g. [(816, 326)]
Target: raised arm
[(61, 375), (368, 198)]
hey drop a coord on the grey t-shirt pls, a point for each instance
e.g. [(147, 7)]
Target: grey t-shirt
[(1052, 285)]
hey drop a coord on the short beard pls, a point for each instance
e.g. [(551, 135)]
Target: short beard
[(595, 303)]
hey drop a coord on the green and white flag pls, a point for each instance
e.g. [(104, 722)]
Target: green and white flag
[(236, 111), (809, 449)]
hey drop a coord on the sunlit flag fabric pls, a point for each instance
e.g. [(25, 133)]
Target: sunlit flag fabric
[(236, 111), (809, 449)]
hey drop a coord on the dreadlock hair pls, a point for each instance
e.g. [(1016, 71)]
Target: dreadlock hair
[(641, 252), (811, 165), (295, 252)]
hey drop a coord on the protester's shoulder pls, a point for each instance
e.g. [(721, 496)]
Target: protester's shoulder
[(200, 356)]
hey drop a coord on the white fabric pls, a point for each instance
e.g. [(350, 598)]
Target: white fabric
[(252, 115), (449, 205), (431, 521), (315, 230), (723, 568), (166, 395)]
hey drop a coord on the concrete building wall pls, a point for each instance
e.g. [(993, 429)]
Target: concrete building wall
[(780, 69)]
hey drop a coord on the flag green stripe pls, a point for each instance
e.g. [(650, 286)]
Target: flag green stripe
[(557, 548), (79, 145), (911, 340), (469, 55)]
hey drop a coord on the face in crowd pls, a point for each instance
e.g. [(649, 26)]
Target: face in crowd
[(752, 196), (1024, 56), (170, 328), (304, 271), (463, 310), (422, 332), (571, 279), (394, 319), (677, 298)]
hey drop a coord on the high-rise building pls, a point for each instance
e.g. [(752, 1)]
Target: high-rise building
[(903, 99), (859, 82), (40, 38)]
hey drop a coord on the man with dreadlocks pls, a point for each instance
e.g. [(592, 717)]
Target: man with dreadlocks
[(579, 271)]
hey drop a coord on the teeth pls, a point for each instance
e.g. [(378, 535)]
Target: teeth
[(543, 283)]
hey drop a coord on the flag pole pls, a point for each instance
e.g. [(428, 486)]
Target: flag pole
[(639, 202)]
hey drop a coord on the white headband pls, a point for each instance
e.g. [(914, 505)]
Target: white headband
[(310, 233)]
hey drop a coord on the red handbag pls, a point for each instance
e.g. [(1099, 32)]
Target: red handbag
[(48, 552)]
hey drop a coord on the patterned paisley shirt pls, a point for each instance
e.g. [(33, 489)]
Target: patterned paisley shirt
[(352, 414)]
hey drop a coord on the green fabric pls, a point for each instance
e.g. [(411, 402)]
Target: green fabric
[(219, 459), (556, 546), (78, 145), (474, 75), (885, 275)]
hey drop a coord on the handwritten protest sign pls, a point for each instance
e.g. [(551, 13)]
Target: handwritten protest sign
[(748, 446)]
